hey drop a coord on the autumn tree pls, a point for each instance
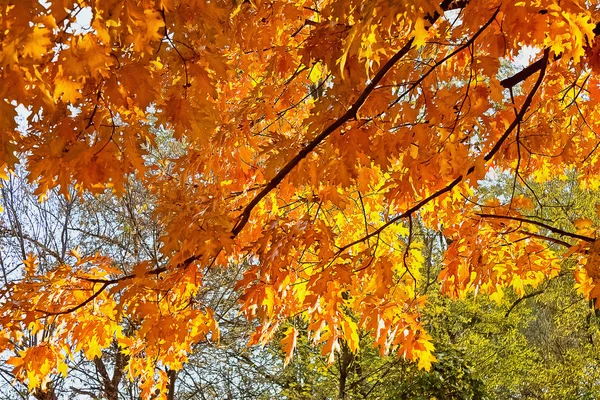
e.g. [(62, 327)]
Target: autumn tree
[(366, 375), (229, 369), (314, 136), (42, 234), (521, 342), (535, 342), (125, 229)]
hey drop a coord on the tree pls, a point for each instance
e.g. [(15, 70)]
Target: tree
[(526, 342), (366, 375), (315, 136), (44, 232)]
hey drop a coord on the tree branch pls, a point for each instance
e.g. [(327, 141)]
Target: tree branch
[(522, 75), (547, 238), (348, 115), (531, 69), (78, 306), (540, 224), (532, 294), (519, 300), (172, 379)]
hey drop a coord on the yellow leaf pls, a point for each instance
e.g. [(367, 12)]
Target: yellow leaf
[(37, 43), (67, 90), (30, 264), (344, 57), (92, 348), (351, 334), (425, 360), (497, 295), (63, 369), (289, 343), (420, 33), (583, 223), (316, 73)]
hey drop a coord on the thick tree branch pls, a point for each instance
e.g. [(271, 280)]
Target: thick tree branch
[(531, 69), (156, 271), (172, 380), (547, 238), (532, 294), (108, 282), (522, 75), (101, 369)]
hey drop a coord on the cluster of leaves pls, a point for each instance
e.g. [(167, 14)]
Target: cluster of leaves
[(540, 344), (312, 138)]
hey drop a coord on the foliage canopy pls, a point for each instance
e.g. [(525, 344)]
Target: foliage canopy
[(313, 137)]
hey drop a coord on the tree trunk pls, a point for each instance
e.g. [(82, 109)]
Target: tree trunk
[(346, 358), (48, 394), (172, 380)]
